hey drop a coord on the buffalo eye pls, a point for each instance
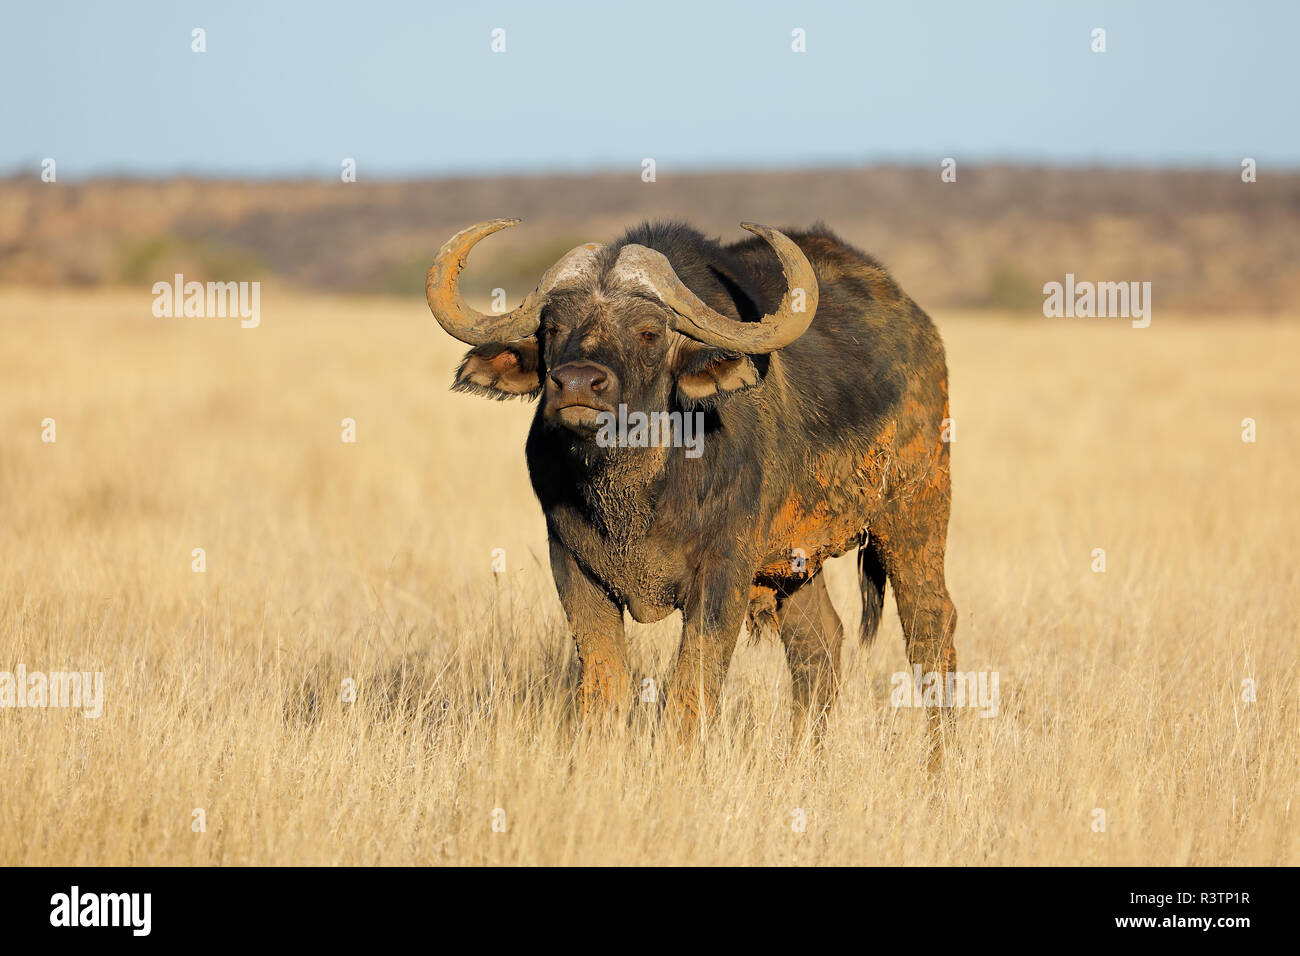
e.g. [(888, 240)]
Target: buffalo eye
[(648, 337)]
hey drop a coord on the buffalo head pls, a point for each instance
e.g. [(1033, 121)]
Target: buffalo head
[(611, 325)]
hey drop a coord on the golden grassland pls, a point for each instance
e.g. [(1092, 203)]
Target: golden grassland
[(1120, 691)]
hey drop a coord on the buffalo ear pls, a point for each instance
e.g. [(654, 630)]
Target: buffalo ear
[(707, 376), (500, 370)]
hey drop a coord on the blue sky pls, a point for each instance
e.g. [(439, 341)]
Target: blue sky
[(407, 88)]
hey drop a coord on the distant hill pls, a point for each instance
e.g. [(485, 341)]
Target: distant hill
[(1206, 241)]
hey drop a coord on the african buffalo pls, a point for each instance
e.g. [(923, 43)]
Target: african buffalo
[(822, 393)]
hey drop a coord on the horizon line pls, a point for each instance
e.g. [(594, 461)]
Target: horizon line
[(32, 169)]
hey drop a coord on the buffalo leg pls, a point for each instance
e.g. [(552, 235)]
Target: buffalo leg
[(604, 679), (812, 633), (711, 625), (912, 541)]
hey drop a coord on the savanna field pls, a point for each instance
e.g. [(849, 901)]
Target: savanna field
[(332, 565)]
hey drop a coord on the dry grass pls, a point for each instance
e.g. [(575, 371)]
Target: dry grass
[(327, 560)]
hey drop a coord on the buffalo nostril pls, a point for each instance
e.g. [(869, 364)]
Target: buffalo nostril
[(580, 378)]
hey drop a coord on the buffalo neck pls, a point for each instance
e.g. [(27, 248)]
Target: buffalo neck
[(615, 490)]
